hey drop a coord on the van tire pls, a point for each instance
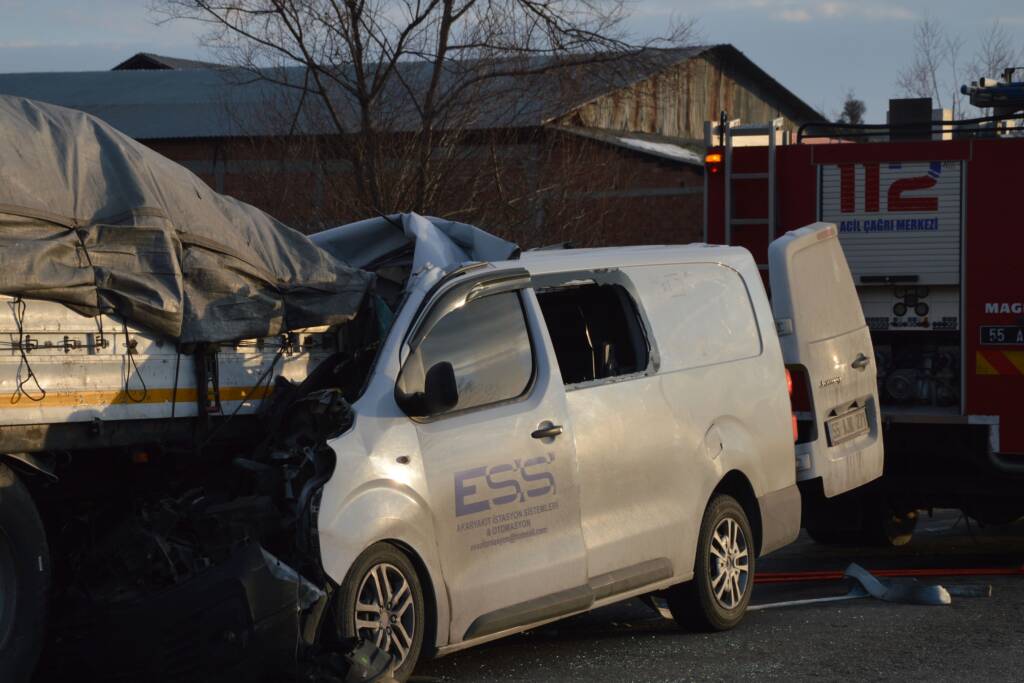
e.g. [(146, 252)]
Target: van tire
[(694, 604), (385, 560), (24, 579)]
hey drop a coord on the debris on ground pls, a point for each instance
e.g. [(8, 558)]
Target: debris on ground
[(898, 590)]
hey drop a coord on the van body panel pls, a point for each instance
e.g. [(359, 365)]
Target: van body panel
[(505, 504), (634, 485), (780, 518), (822, 329), (647, 464), (746, 364), (371, 497)]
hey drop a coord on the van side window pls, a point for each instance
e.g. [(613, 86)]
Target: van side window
[(595, 330), (488, 345)]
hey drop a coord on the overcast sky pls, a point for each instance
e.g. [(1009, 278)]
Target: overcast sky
[(817, 48)]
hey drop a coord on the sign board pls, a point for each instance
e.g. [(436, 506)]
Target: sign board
[(896, 220)]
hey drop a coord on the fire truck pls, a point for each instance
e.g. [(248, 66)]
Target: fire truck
[(928, 221)]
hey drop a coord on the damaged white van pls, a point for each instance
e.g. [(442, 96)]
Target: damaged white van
[(551, 434), (529, 439), (228, 451)]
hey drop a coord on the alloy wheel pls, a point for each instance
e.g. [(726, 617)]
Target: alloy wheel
[(730, 563), (385, 613)]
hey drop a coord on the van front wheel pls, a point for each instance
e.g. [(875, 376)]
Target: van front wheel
[(723, 579), (381, 601)]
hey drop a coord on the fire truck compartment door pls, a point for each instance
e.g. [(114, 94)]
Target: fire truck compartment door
[(821, 328)]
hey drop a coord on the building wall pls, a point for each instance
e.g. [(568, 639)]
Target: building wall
[(537, 188), (676, 103)]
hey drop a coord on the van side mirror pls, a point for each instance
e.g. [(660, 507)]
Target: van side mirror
[(440, 393)]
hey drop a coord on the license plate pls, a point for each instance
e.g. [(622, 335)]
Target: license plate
[(1002, 335), (847, 426)]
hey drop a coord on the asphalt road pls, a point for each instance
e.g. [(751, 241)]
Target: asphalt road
[(974, 638)]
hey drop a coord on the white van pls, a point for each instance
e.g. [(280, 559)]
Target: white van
[(547, 435)]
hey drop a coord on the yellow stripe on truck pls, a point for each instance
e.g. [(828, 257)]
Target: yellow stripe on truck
[(1017, 358), (983, 366), (80, 399)]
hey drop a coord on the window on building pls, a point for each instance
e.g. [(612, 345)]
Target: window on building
[(488, 345), (595, 330)]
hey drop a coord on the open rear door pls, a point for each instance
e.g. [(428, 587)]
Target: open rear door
[(822, 330)]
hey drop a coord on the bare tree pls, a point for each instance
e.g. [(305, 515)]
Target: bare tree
[(936, 69), (404, 90), (995, 52)]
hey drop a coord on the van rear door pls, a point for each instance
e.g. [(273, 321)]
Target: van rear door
[(825, 339)]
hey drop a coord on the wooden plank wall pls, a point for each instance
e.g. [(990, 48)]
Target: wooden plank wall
[(675, 103)]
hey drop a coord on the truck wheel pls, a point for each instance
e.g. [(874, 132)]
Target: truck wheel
[(24, 579), (381, 601), (883, 526), (723, 579)]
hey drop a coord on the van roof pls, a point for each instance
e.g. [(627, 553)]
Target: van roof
[(558, 260)]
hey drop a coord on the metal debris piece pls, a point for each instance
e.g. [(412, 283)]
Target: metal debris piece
[(369, 664)]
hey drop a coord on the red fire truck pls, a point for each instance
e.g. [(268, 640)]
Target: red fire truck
[(937, 250)]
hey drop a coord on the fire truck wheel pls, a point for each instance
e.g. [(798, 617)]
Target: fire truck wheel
[(24, 579), (884, 526)]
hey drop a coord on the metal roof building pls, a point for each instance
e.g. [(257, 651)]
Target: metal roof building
[(663, 92)]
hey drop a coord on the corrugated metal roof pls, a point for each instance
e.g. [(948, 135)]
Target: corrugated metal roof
[(150, 104), (227, 102)]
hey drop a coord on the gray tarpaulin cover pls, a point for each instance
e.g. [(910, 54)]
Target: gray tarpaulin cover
[(92, 219), (438, 242)]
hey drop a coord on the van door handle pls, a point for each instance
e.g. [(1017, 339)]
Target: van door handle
[(549, 432), (860, 362)]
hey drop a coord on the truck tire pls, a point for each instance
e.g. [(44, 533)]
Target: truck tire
[(877, 525), (723, 574), (24, 579), (385, 580), (885, 527)]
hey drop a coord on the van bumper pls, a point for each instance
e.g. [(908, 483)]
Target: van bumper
[(780, 518)]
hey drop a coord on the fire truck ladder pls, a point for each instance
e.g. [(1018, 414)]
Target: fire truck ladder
[(722, 135)]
